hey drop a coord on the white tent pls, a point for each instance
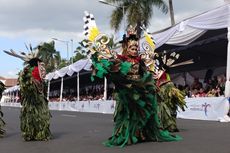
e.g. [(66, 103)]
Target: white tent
[(212, 26), (83, 64)]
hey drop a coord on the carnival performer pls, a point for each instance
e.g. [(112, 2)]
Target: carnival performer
[(2, 123), (169, 96), (136, 116), (35, 114)]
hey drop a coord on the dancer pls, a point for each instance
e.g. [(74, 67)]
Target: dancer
[(35, 115), (169, 97), (2, 123), (136, 117)]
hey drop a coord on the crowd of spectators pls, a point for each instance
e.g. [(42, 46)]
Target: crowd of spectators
[(211, 87), (92, 92)]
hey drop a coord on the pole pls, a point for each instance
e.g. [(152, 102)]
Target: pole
[(105, 88), (61, 91), (71, 50), (67, 44), (78, 89), (48, 90), (227, 84)]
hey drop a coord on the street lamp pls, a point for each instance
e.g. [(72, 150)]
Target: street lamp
[(67, 45), (71, 40), (121, 7)]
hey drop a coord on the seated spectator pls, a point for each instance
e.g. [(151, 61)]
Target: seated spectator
[(219, 92), (209, 85), (201, 93), (211, 93), (194, 93), (196, 84)]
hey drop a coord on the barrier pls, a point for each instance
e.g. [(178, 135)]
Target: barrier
[(203, 108), (206, 108), (106, 107), (98, 106)]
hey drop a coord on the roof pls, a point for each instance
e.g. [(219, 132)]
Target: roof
[(9, 82), (202, 38)]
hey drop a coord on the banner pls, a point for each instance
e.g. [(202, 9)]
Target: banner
[(97, 106), (202, 108), (206, 108)]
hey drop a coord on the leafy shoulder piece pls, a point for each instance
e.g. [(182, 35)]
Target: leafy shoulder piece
[(96, 41)]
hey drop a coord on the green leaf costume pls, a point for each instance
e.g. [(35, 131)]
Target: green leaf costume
[(170, 98), (35, 115), (136, 114)]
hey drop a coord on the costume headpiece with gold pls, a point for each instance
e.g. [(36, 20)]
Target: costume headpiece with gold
[(96, 41)]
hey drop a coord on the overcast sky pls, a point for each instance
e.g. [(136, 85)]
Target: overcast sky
[(36, 21)]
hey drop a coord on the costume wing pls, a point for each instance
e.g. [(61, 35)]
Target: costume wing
[(96, 41), (148, 46)]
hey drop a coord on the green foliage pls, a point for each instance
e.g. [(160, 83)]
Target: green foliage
[(77, 57), (170, 98), (35, 115), (49, 55), (63, 63), (136, 11)]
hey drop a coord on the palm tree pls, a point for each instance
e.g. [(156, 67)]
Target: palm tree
[(49, 55), (171, 12), (136, 11)]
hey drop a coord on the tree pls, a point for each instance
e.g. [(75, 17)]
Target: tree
[(171, 12), (136, 12), (49, 55)]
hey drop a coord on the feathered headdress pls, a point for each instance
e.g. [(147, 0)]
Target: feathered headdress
[(33, 54)]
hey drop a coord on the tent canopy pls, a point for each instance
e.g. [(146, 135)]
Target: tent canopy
[(202, 38), (207, 51), (83, 64)]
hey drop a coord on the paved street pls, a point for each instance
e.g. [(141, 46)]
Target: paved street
[(75, 132)]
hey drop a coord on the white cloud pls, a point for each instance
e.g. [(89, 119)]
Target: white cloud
[(36, 21)]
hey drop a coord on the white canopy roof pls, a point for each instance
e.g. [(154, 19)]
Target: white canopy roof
[(83, 64), (12, 89), (190, 29)]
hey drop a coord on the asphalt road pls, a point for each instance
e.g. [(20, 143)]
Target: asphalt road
[(75, 132)]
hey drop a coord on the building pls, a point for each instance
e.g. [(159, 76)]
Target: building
[(9, 82)]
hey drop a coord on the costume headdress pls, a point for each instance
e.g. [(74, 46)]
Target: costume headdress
[(96, 41), (33, 54), (148, 46), (31, 58)]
